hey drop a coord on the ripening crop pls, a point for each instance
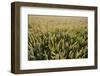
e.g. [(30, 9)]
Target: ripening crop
[(55, 37)]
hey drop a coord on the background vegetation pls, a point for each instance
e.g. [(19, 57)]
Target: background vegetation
[(55, 37)]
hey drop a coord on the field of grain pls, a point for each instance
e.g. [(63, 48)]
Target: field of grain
[(57, 37)]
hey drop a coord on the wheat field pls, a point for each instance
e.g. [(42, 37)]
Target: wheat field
[(57, 37)]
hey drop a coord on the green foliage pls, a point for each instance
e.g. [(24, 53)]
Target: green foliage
[(58, 44)]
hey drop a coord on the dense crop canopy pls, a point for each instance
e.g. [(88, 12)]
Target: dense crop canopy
[(51, 40)]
